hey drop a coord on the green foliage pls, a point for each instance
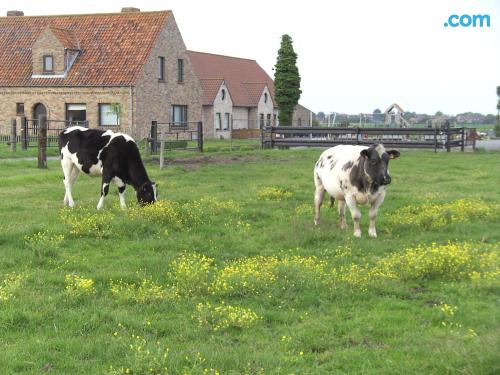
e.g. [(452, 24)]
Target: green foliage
[(286, 81), (284, 295)]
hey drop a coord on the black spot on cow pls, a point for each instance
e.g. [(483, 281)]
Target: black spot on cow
[(357, 176), (333, 163), (347, 165), (86, 145), (329, 156)]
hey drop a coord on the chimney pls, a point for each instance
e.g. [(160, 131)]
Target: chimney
[(15, 13), (130, 10)]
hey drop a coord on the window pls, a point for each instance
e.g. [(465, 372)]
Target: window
[(48, 63), (265, 97), (223, 94), (226, 121), (180, 70), (20, 108), (161, 68), (268, 120), (261, 120), (218, 121), (109, 114), (76, 113), (179, 115)]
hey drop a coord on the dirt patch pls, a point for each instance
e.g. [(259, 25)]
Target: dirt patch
[(196, 162)]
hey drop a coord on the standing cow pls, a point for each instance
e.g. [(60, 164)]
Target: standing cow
[(114, 156), (353, 175)]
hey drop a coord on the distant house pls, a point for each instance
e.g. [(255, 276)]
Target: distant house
[(118, 70), (237, 91)]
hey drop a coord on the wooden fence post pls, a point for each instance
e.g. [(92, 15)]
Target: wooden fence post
[(200, 136), (462, 147), (162, 147), (24, 133), (262, 137), (13, 135), (42, 142), (154, 136), (448, 147)]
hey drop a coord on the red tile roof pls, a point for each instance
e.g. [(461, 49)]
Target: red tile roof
[(66, 37), (243, 77), (114, 47)]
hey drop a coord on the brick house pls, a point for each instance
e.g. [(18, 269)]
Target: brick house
[(237, 90), (113, 70)]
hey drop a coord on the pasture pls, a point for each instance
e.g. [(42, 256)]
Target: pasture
[(228, 275)]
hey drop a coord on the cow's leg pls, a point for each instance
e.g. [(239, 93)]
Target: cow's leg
[(106, 180), (372, 231), (318, 198), (341, 207), (355, 214), (121, 191), (67, 167)]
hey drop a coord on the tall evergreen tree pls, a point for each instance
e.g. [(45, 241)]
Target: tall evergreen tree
[(286, 81)]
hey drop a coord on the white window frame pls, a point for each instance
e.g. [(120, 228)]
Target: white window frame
[(109, 115), (218, 121)]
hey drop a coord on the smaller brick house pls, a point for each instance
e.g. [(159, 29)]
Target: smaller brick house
[(238, 91), (117, 70)]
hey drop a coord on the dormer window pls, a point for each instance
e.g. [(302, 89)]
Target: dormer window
[(48, 63)]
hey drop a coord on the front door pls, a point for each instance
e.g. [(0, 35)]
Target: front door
[(38, 109)]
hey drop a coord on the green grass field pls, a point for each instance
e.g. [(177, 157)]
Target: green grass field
[(228, 275)]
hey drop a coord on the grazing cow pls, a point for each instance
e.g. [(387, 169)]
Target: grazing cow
[(114, 156), (353, 175)]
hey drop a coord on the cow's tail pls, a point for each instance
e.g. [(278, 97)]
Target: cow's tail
[(332, 201)]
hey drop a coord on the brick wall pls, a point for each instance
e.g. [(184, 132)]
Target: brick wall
[(154, 99), (55, 99), (47, 44)]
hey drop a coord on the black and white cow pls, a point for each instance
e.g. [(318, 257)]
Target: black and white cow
[(353, 175), (114, 156)]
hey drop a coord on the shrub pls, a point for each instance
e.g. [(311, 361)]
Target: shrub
[(271, 193), (191, 273), (433, 215), (145, 355), (9, 285), (145, 291), (224, 316), (43, 243), (77, 286), (83, 222)]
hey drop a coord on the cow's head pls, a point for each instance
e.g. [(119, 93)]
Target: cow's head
[(146, 194), (376, 163)]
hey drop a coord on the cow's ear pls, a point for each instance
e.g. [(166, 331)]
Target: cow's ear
[(365, 153), (393, 154)]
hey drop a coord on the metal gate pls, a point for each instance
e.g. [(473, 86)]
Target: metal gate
[(30, 131)]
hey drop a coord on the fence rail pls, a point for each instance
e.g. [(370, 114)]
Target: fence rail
[(431, 138), (174, 136)]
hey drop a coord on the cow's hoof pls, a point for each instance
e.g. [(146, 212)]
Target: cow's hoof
[(357, 233), (372, 234), (316, 222), (343, 226)]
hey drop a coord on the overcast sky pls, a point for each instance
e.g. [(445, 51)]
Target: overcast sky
[(354, 56)]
